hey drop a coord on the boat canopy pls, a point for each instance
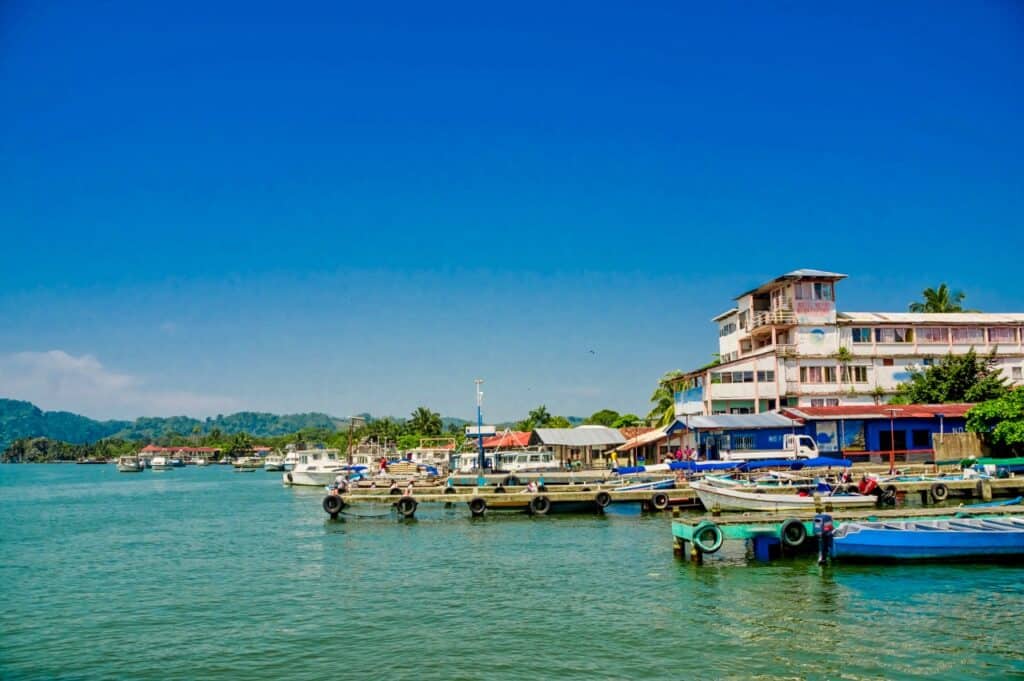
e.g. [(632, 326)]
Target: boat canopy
[(819, 462)]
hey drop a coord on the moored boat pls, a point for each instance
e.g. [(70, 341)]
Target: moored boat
[(160, 463), (956, 538), (732, 499), (273, 462), (130, 464)]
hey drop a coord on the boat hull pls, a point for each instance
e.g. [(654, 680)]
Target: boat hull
[(729, 499), (935, 540), (127, 468)]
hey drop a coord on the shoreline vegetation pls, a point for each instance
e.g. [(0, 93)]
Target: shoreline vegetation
[(38, 446)]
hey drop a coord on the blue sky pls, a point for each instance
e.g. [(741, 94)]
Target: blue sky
[(348, 208)]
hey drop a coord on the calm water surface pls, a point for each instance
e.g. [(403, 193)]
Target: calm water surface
[(210, 574)]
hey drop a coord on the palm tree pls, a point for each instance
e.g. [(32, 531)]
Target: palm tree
[(941, 299), (425, 422), (664, 400)]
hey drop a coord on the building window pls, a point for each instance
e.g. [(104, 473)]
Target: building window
[(740, 410), (968, 334), (825, 402), (894, 335), (1016, 373), (861, 335), (742, 441), (920, 439), (817, 374), (1002, 334), (765, 376), (887, 362), (813, 290), (856, 374), (743, 319), (727, 329), (933, 334)]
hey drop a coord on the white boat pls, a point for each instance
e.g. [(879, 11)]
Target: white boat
[(315, 468), (526, 461), (732, 499), (246, 464), (130, 464), (161, 463), (201, 462), (273, 462)]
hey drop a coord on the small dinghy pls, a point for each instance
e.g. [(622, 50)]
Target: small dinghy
[(732, 499), (957, 538)]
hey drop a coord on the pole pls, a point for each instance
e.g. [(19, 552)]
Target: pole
[(892, 439), (480, 421)]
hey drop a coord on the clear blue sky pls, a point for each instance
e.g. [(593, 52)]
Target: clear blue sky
[(362, 207)]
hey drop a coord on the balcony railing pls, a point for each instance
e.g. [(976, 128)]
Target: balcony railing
[(776, 318)]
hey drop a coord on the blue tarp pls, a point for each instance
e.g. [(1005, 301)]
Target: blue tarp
[(702, 465), (820, 462)]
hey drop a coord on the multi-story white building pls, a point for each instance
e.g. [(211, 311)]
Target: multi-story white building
[(784, 344)]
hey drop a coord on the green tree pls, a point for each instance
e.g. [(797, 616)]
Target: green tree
[(240, 443), (425, 422), (1000, 422), (627, 421), (940, 299), (604, 417), (664, 410), (955, 378), (558, 422)]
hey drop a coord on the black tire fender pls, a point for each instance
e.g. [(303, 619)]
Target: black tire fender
[(540, 505), (602, 499), (940, 492), (333, 504), (793, 533), (659, 502), (449, 490), (477, 506), (406, 507)]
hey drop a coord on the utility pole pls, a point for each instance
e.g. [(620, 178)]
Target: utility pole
[(892, 439), (480, 420)]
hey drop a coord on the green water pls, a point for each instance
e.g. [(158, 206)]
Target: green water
[(211, 574)]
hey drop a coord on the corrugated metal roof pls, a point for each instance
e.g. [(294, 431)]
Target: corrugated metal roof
[(512, 438), (725, 314), (655, 435), (580, 436), (738, 421), (880, 411), (795, 274), (931, 317)]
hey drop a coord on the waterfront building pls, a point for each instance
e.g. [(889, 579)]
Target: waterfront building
[(784, 344), (582, 445)]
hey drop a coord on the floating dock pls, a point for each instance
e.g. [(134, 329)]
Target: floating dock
[(482, 500), (773, 533)]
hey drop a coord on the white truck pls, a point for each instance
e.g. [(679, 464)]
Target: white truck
[(794, 447)]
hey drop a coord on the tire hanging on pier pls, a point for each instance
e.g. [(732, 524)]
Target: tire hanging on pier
[(449, 490), (500, 489), (477, 506), (406, 507), (940, 492), (289, 476), (603, 499), (333, 505), (511, 481), (540, 505), (708, 537), (793, 533), (659, 502)]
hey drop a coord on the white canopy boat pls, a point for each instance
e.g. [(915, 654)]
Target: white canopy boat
[(315, 468), (161, 463), (733, 499), (130, 464)]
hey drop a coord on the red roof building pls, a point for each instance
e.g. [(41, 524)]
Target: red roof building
[(508, 440)]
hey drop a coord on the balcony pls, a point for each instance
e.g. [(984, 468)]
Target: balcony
[(762, 320)]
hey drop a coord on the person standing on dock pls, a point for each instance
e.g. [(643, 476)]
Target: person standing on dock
[(408, 490)]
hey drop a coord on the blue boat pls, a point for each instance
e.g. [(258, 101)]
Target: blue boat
[(953, 539)]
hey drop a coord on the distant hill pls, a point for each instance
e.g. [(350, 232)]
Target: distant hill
[(19, 419)]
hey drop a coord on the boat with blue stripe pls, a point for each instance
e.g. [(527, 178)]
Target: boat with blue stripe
[(950, 539)]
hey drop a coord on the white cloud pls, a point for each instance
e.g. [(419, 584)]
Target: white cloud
[(55, 380)]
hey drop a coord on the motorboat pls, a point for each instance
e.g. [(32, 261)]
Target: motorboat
[(525, 461), (160, 463), (176, 463), (733, 499), (130, 464), (954, 539), (248, 464), (315, 468), (273, 462), (201, 462)]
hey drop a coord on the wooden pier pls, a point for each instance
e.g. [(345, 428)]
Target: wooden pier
[(792, 530), (589, 498)]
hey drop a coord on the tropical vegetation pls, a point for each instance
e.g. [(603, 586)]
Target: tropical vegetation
[(940, 299), (954, 378), (663, 411), (1000, 422)]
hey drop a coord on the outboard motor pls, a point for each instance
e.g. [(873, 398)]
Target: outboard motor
[(823, 529)]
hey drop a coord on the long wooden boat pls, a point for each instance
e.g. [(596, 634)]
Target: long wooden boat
[(731, 499), (957, 538)]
